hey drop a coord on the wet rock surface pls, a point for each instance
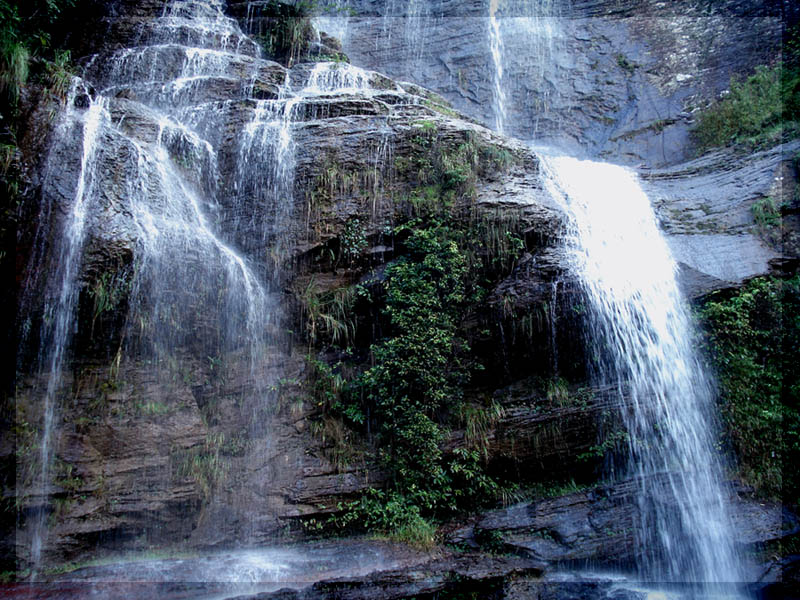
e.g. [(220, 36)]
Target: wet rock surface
[(706, 207), (597, 525), (177, 450)]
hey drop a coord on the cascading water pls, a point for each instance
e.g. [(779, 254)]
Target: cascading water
[(640, 336), (185, 278), (202, 223), (639, 340)]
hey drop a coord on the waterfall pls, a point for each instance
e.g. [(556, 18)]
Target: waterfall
[(641, 338), (187, 160), (152, 146)]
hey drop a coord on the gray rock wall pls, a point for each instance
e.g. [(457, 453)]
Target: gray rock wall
[(619, 81)]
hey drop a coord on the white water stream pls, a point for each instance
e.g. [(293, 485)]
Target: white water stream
[(61, 300), (641, 340), (640, 330)]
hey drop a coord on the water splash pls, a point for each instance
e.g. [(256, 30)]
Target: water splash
[(641, 337)]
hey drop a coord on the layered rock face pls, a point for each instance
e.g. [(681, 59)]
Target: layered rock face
[(618, 81)]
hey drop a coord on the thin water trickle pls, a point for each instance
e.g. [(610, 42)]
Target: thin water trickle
[(528, 31), (640, 332), (61, 301), (496, 49)]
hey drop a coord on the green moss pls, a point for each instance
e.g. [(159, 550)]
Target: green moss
[(767, 216), (442, 108), (625, 64)]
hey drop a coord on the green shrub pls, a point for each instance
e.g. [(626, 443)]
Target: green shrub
[(380, 511), (416, 371), (759, 110), (752, 338)]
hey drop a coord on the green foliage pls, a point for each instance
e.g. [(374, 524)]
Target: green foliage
[(326, 386), (107, 292), (752, 338), (478, 422), (767, 215), (447, 168), (495, 160), (626, 65), (207, 464), (554, 489), (766, 212), (491, 541), (381, 511), (447, 256), (443, 108), (609, 443), (13, 68), (352, 240), (414, 382), (493, 241), (416, 371), (59, 74), (26, 31), (328, 314), (337, 442), (284, 29), (759, 110)]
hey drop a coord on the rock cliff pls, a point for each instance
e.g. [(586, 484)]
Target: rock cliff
[(171, 441)]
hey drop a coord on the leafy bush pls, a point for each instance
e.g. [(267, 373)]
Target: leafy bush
[(380, 511), (758, 110), (416, 370), (752, 338)]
